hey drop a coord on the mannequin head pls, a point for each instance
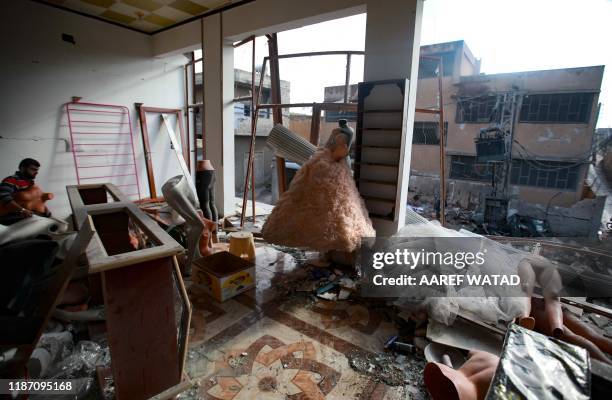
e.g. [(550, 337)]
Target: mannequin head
[(340, 140)]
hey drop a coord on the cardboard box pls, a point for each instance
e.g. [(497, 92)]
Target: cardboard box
[(223, 275)]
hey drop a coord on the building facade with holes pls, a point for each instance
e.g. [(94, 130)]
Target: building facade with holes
[(553, 124), (554, 120)]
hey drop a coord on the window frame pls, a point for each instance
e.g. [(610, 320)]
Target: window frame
[(437, 127), (472, 177), (492, 97), (587, 112), (521, 174)]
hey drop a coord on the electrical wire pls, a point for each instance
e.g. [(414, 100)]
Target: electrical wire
[(543, 166)]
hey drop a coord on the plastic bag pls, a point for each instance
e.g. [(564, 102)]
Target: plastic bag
[(489, 306)]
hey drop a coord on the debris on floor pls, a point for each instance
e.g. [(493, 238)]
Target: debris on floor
[(59, 355), (394, 370)]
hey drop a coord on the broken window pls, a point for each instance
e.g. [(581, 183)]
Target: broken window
[(465, 167), (427, 132), (247, 110), (428, 68), (476, 109), (548, 174), (559, 107)]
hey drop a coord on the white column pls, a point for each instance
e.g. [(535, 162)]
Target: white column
[(393, 39), (218, 71)]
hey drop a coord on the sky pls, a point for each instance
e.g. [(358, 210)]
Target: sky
[(507, 35)]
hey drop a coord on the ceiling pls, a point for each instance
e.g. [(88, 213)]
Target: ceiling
[(146, 16)]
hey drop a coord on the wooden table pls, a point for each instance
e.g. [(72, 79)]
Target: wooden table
[(147, 344)]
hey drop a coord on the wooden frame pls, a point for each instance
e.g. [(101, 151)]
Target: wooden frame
[(147, 344), (97, 256), (315, 125), (142, 116)]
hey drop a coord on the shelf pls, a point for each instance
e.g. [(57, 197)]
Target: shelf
[(378, 216), (378, 164), (382, 129), (394, 184), (367, 146), (379, 199), (381, 111)]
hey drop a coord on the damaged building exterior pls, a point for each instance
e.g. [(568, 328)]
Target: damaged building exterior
[(553, 124), (263, 156)]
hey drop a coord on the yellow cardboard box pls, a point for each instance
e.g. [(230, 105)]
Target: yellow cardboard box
[(223, 275)]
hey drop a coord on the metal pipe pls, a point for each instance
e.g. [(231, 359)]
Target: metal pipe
[(202, 115), (442, 152), (186, 68), (313, 54), (252, 144), (275, 92), (315, 124), (347, 78), (244, 41), (427, 111), (193, 115), (242, 98), (327, 106), (253, 127)]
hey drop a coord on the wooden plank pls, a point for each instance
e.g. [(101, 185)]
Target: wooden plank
[(142, 330), (135, 257), (142, 116), (180, 157), (315, 125)]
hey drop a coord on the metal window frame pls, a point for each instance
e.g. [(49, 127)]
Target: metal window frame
[(473, 175), (436, 126), (460, 118), (526, 102), (523, 173)]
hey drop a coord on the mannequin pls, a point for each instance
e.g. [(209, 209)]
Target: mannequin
[(322, 209), (206, 240), (32, 199), (550, 317), (205, 185), (470, 382)]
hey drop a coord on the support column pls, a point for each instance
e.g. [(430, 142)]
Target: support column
[(218, 71), (392, 47)]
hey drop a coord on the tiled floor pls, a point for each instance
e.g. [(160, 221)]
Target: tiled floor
[(263, 344)]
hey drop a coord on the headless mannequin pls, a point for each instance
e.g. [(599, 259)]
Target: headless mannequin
[(208, 237), (205, 185), (32, 199), (470, 382)]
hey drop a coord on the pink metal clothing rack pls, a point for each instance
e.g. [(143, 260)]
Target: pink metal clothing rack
[(102, 145)]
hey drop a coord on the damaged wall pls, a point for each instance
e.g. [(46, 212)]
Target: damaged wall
[(40, 72), (550, 141), (464, 194), (582, 219)]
